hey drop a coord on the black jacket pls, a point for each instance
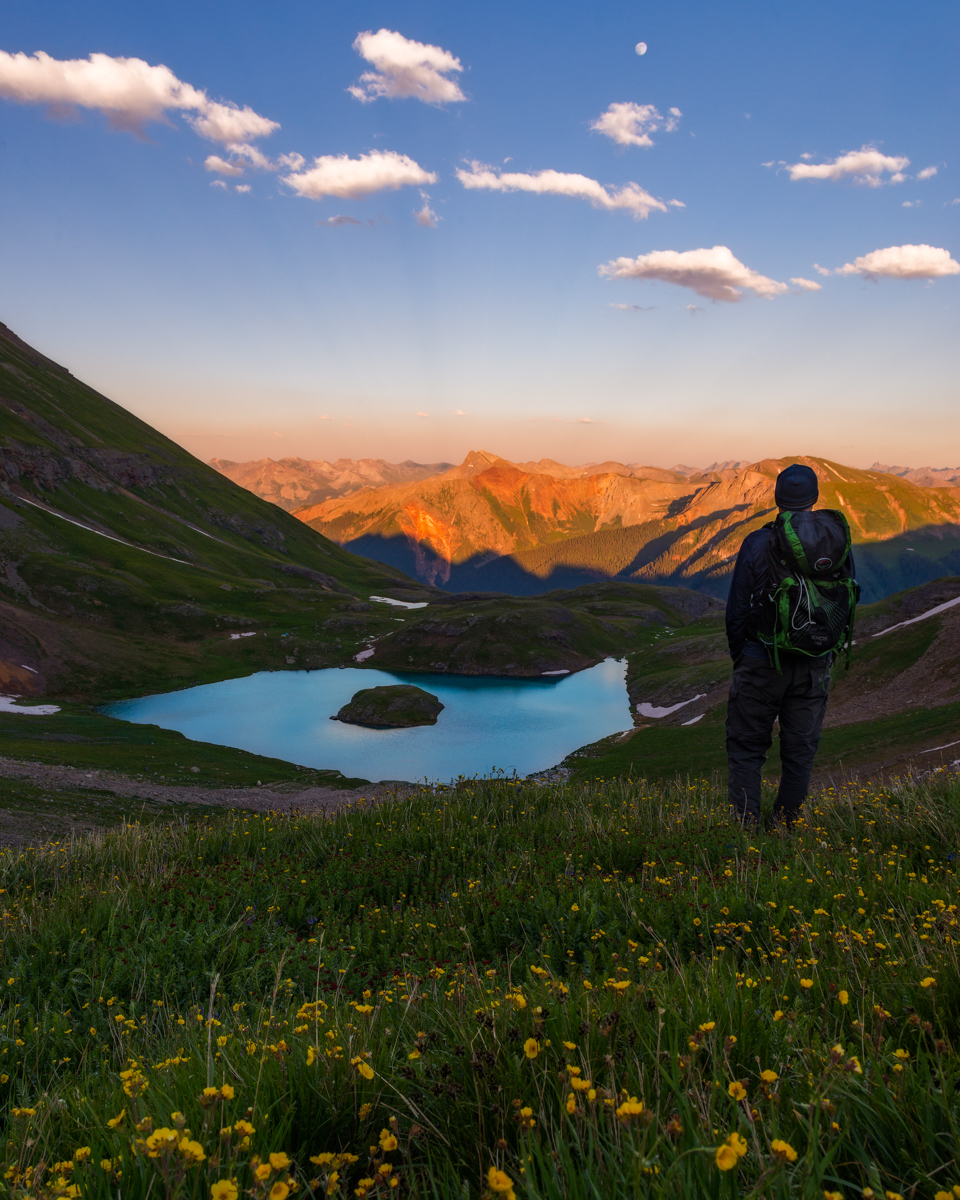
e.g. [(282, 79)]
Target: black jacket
[(751, 575)]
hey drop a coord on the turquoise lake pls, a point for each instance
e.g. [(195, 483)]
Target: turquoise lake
[(520, 725)]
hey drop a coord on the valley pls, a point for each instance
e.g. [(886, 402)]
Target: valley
[(128, 567)]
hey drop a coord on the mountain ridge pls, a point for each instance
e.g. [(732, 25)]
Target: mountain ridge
[(492, 523), (294, 482)]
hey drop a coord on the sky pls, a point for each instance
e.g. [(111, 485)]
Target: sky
[(676, 233)]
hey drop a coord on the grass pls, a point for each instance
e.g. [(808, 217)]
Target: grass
[(581, 990), (81, 737), (32, 813)]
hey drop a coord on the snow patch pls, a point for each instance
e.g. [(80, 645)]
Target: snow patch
[(398, 603), (563, 672), (693, 720), (931, 612), (233, 636), (649, 710), (363, 656), (8, 703), (933, 749)]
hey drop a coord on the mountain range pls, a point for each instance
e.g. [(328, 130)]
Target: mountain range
[(295, 482), (527, 528)]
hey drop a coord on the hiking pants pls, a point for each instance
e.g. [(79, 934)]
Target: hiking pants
[(758, 696)]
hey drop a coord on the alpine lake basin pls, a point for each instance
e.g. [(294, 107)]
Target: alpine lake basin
[(489, 724)]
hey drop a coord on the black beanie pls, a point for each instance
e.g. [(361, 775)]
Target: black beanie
[(797, 487)]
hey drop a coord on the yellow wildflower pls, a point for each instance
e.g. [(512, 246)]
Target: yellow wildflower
[(192, 1151), (500, 1183), (162, 1141), (843, 996), (806, 983), (224, 1189), (531, 1047), (783, 1150), (279, 1161), (279, 1191), (929, 982), (769, 1076), (387, 1140), (737, 1090)]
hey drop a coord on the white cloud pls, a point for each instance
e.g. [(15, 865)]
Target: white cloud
[(630, 124), (339, 220), (903, 262), (866, 165), (911, 204), (713, 273), (927, 173), (423, 414), (634, 307), (631, 197), (242, 187), (693, 309), (425, 216), (822, 270), (459, 413), (351, 178), (214, 162), (405, 68), (128, 91), (676, 204), (228, 124), (218, 183), (806, 285)]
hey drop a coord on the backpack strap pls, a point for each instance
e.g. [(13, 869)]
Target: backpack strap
[(795, 544)]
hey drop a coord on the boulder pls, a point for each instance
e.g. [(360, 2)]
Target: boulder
[(398, 706)]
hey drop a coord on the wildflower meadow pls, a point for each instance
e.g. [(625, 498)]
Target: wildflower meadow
[(498, 989)]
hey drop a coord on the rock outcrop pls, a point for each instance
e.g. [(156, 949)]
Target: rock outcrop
[(398, 706)]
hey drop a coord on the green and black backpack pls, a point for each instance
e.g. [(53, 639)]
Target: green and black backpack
[(810, 605)]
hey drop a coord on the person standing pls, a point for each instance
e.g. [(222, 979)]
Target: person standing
[(791, 688)]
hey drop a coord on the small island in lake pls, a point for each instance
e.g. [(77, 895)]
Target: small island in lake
[(399, 706)]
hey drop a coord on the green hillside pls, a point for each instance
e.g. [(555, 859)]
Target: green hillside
[(127, 565)]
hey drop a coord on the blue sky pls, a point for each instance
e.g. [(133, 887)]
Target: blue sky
[(246, 323)]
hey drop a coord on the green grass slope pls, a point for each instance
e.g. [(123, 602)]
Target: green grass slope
[(589, 991), (486, 634), (125, 563)]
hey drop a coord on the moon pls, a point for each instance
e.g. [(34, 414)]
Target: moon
[(641, 47)]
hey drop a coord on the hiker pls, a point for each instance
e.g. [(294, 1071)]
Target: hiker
[(791, 606)]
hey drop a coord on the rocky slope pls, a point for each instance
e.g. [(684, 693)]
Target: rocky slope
[(295, 482), (528, 528)]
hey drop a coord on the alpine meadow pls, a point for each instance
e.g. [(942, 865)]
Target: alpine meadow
[(479, 601)]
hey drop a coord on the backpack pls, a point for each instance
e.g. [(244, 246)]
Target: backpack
[(810, 606)]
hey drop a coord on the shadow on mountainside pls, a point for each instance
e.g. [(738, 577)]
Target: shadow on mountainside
[(689, 556)]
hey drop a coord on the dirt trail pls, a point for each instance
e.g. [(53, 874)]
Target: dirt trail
[(276, 798)]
